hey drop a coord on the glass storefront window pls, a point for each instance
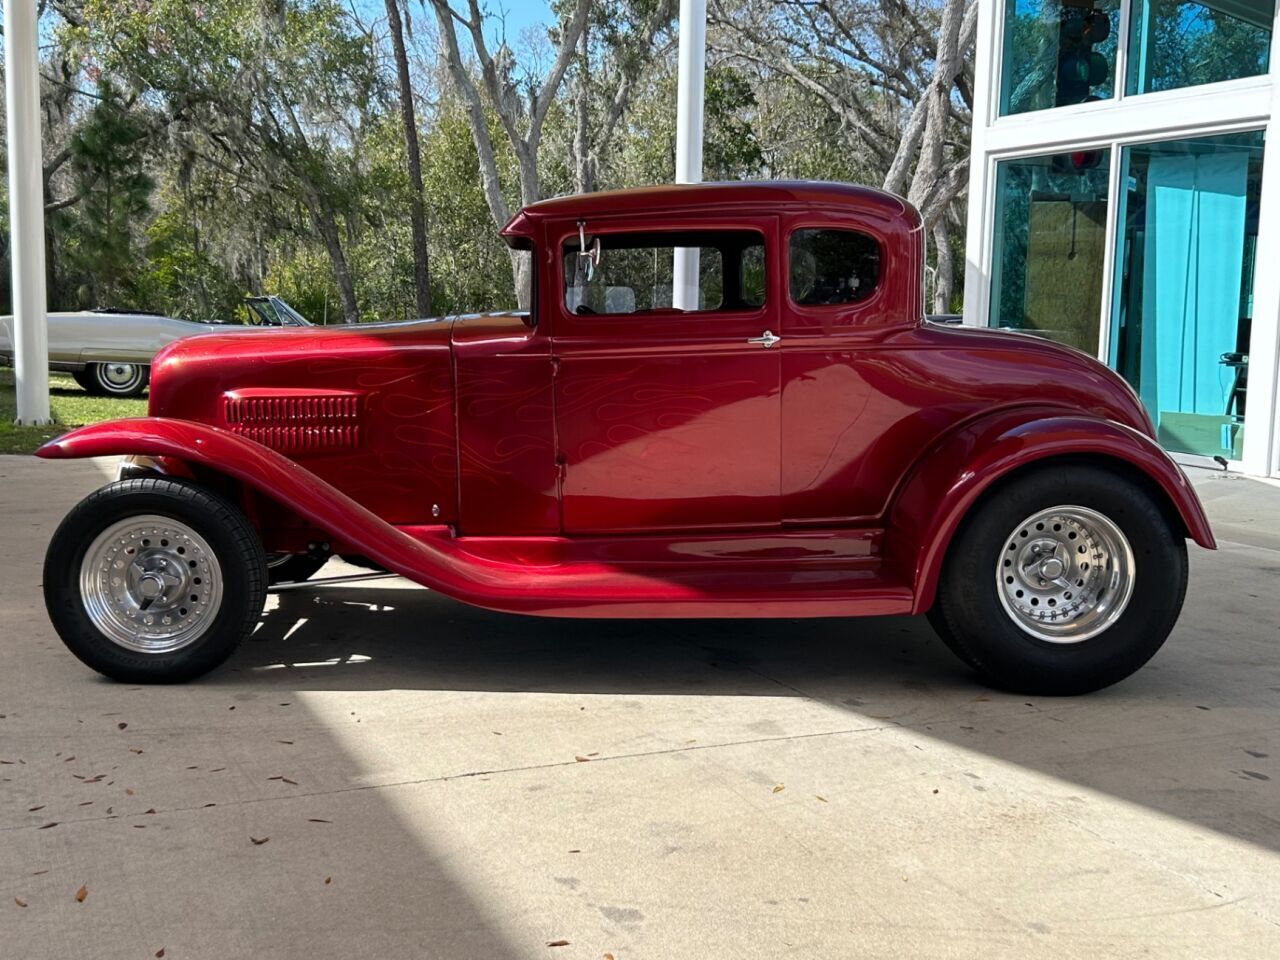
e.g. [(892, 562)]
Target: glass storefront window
[(1182, 43), (1182, 303), (1050, 239), (1057, 52)]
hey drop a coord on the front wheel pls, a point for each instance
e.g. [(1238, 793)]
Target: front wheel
[(1066, 580), (154, 580), (116, 379)]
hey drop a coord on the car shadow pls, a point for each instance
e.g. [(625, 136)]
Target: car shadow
[(1187, 735)]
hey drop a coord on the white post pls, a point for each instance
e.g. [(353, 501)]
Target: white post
[(690, 82), (26, 213)]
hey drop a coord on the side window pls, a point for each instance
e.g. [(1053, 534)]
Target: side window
[(832, 266), (635, 272)]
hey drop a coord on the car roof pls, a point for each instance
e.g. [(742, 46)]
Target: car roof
[(768, 194)]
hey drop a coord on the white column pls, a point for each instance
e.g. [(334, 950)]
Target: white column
[(978, 235), (690, 80), (1261, 454), (26, 213)]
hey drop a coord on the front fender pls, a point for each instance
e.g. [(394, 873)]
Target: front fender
[(950, 479), (280, 478)]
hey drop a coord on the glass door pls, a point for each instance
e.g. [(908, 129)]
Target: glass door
[(1182, 300)]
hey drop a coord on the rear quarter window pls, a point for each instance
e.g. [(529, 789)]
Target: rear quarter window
[(827, 267)]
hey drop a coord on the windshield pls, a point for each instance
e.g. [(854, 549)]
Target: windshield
[(273, 312)]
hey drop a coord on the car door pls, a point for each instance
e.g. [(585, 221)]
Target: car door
[(666, 419), (854, 408)]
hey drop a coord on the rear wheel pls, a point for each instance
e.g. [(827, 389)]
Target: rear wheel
[(115, 379), (1066, 580), (154, 580)]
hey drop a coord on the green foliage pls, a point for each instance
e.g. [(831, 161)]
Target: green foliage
[(108, 153)]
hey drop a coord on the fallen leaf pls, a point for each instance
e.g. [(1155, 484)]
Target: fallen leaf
[(286, 742), (139, 826), (149, 810), (275, 778), (69, 759), (51, 823), (935, 789), (575, 851), (292, 783), (81, 894), (109, 809), (85, 803), (160, 953), (135, 749), (128, 792), (121, 725), (232, 707), (35, 808), (821, 797), (497, 733), (217, 769), (779, 788), (38, 872), (327, 880), (557, 943), (608, 956), (259, 841), (210, 805), (582, 759), (193, 768), (19, 901), (317, 820)]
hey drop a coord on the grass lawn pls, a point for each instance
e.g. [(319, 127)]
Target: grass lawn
[(70, 407)]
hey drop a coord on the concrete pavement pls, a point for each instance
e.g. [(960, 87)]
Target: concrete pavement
[(429, 780)]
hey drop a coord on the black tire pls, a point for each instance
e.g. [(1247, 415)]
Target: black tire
[(972, 620), (83, 378), (292, 567), (116, 379), (230, 538)]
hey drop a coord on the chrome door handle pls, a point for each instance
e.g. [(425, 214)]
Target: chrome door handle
[(766, 340)]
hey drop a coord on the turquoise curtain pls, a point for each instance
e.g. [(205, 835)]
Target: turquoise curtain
[(1191, 283)]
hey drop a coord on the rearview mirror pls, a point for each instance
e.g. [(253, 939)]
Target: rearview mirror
[(592, 253)]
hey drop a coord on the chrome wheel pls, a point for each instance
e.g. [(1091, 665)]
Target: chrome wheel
[(151, 584), (1066, 574), (120, 377)]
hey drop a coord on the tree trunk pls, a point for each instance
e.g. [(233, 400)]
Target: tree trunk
[(417, 205), (945, 275), (522, 277), (327, 227)]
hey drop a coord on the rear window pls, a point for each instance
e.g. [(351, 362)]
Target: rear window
[(832, 267), (636, 270)]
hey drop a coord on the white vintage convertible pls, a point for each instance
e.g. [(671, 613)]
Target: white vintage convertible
[(109, 352)]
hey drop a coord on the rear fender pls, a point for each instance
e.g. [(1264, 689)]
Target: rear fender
[(279, 478), (950, 479)]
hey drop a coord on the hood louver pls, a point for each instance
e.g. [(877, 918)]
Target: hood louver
[(296, 421)]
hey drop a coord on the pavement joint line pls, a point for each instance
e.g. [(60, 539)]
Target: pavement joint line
[(638, 755)]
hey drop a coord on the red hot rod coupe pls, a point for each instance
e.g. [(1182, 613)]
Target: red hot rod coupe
[(789, 439)]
